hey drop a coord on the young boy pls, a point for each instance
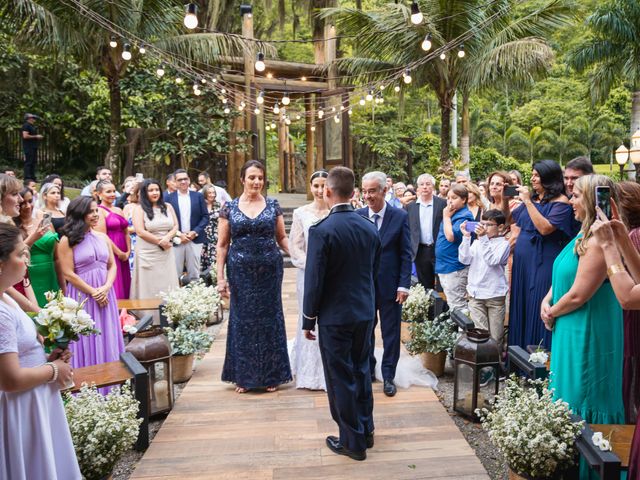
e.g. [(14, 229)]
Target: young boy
[(487, 285)]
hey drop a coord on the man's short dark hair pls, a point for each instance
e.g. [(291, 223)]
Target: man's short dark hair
[(180, 170), (495, 215), (171, 177), (341, 181), (102, 167), (205, 175), (580, 163)]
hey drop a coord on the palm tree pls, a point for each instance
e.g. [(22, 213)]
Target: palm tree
[(612, 52), (501, 31), (62, 27), (531, 140)]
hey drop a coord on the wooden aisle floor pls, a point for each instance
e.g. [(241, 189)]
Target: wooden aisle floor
[(214, 433)]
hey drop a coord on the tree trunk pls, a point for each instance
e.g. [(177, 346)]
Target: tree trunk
[(465, 138), (115, 107), (446, 165)]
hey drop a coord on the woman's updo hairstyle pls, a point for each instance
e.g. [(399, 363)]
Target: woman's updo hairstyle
[(10, 235), (252, 163), (318, 174)]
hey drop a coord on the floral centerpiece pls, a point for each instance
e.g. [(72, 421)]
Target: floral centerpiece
[(433, 339), (416, 306), (62, 320), (102, 427), (192, 305), (533, 432)]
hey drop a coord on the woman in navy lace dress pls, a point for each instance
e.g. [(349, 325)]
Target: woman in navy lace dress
[(250, 228)]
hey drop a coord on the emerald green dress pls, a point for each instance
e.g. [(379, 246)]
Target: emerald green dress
[(587, 348), (42, 270)]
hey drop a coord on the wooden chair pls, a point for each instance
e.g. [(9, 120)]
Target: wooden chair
[(117, 373)]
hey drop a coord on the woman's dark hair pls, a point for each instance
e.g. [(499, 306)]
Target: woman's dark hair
[(252, 163), (143, 198), (629, 203), (10, 235), (18, 220), (51, 178), (551, 179), (495, 215), (318, 174), (75, 226)]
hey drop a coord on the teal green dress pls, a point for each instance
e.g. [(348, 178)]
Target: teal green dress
[(42, 270), (587, 348)]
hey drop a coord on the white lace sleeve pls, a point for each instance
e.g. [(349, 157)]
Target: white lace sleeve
[(297, 248), (8, 333)]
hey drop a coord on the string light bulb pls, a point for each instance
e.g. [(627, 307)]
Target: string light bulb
[(461, 52), (223, 100), (382, 86), (197, 92), (126, 52), (276, 108), (242, 105), (304, 79), (406, 76), (313, 128), (260, 66), (396, 88), (336, 119), (203, 80), (160, 70), (142, 49), (298, 117), (443, 56), (113, 43), (178, 80), (273, 125), (350, 112), (256, 111), (285, 99), (223, 91), (416, 14), (269, 75), (191, 16), (426, 43), (362, 102), (320, 113), (227, 110), (260, 99), (369, 96), (267, 128), (287, 120)]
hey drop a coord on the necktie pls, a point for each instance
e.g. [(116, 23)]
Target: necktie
[(376, 220)]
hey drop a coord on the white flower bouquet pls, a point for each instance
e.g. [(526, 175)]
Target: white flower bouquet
[(192, 305), (433, 336), (185, 341), (533, 432), (62, 320), (416, 307), (102, 427)]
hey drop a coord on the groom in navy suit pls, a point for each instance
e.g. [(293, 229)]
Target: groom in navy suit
[(394, 278), (339, 294)]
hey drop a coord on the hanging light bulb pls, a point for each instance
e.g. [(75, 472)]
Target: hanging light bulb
[(260, 99), (178, 80), (126, 52), (320, 113), (214, 80), (287, 120), (142, 49), (203, 80), (273, 125), (461, 52), (285, 99), (341, 108), (336, 119), (382, 86), (333, 109), (256, 111), (269, 75), (443, 56), (227, 110), (196, 86), (304, 79), (197, 92), (223, 91), (416, 14), (190, 17), (396, 88), (298, 117), (267, 128), (113, 43), (369, 96), (276, 108), (426, 43), (381, 99), (260, 66), (160, 70), (362, 101), (350, 112), (223, 100), (242, 105), (407, 76), (313, 128)]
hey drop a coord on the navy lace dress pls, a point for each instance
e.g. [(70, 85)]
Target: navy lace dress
[(256, 353)]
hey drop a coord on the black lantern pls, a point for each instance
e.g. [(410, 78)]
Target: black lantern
[(153, 351), (477, 367)]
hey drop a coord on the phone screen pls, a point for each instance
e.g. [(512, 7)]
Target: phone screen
[(471, 227), (603, 200), (510, 191)]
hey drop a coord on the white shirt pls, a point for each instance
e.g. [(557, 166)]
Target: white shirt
[(221, 195), (488, 258), (184, 204), (426, 222), (380, 214)]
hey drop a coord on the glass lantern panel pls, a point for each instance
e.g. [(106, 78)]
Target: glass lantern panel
[(487, 386), (158, 386), (464, 382)]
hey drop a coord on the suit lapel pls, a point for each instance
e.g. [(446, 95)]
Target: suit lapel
[(385, 221)]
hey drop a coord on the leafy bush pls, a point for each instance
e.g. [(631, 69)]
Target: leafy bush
[(433, 336), (486, 160)]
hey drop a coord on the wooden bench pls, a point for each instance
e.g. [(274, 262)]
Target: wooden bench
[(518, 361), (140, 304), (117, 373)]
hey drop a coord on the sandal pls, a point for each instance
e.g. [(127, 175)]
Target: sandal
[(272, 389), (241, 389)]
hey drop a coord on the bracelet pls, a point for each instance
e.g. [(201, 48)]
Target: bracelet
[(615, 268), (55, 372)]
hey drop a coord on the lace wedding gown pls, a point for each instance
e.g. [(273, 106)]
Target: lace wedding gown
[(306, 363)]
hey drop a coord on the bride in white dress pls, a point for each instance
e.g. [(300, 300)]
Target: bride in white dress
[(306, 363)]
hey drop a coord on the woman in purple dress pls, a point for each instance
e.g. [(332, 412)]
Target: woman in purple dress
[(113, 223), (35, 442), (90, 270)]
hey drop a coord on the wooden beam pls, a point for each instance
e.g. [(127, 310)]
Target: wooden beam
[(249, 54), (310, 140), (276, 84), (281, 68)]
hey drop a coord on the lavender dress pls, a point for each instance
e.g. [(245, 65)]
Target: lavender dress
[(90, 259), (35, 442)]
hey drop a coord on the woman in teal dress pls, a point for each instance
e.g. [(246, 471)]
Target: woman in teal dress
[(586, 318)]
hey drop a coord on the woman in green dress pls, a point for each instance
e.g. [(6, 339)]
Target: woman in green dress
[(586, 318)]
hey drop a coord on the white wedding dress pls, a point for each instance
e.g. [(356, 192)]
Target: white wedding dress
[(306, 363)]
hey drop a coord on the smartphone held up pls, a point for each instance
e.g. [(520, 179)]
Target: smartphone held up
[(603, 199)]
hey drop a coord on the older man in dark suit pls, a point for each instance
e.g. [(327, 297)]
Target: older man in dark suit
[(425, 217), (339, 294), (394, 278)]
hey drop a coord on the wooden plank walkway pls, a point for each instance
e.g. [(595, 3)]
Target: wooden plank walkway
[(214, 433)]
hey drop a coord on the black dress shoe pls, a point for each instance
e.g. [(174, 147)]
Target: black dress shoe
[(336, 447), (389, 388), (369, 438)]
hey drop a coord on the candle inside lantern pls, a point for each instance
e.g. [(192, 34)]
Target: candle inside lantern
[(161, 391)]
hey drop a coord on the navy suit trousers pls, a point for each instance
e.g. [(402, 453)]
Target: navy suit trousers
[(390, 313), (345, 358)]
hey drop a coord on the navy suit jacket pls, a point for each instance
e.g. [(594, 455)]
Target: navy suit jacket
[(395, 259), (414, 222), (199, 213), (342, 262)]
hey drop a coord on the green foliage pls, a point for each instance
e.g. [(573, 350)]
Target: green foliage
[(433, 336), (486, 160)]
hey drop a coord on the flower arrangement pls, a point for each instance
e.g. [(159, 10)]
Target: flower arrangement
[(192, 305), (539, 355), (602, 443), (416, 306), (102, 427), (433, 336), (185, 341), (534, 433), (62, 320)]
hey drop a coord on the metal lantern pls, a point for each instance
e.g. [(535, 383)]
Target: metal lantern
[(477, 368), (153, 351)]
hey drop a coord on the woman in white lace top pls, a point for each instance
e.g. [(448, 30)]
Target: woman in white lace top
[(306, 362)]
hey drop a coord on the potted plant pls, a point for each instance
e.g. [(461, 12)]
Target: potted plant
[(534, 433), (192, 305), (185, 345), (432, 340), (415, 309), (102, 428)]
